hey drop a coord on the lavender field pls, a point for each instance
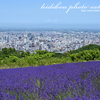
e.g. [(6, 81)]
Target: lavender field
[(70, 81)]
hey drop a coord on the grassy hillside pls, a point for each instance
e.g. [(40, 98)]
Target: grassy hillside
[(88, 47), (10, 58)]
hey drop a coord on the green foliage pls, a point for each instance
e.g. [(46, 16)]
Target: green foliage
[(41, 52), (50, 54), (99, 58), (86, 55), (13, 58), (21, 54), (59, 55), (21, 62), (87, 47), (2, 61), (68, 53), (4, 51), (10, 58), (31, 61), (32, 54), (27, 53)]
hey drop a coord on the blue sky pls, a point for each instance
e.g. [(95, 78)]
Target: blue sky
[(28, 13)]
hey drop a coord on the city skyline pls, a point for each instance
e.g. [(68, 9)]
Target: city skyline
[(52, 41)]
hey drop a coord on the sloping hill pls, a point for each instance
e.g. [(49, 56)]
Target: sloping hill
[(88, 47)]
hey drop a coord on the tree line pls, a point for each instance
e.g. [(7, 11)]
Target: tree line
[(11, 58)]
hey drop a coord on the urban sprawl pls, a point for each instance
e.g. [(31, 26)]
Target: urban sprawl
[(52, 41)]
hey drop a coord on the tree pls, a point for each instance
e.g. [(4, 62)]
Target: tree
[(39, 52), (5, 51), (21, 54), (27, 53)]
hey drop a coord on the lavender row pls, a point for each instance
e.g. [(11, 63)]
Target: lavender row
[(70, 81)]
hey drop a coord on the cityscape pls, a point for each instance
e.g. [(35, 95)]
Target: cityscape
[(52, 41)]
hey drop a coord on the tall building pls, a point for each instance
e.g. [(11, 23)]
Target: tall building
[(25, 38), (8, 39)]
